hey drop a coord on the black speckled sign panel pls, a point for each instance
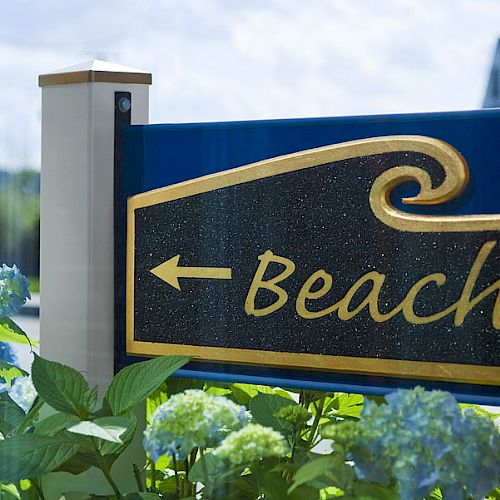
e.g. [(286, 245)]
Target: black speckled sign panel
[(299, 222)]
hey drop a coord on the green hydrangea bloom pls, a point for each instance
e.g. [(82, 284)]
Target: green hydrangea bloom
[(295, 415), (191, 419), (251, 443), (344, 433)]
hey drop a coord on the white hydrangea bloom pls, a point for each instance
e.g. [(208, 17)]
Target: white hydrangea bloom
[(23, 392), (251, 443)]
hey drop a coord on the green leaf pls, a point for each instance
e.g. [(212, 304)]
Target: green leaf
[(29, 456), (9, 372), (349, 405), (273, 485), (91, 399), (164, 462), (242, 394), (109, 448), (264, 389), (10, 489), (214, 466), (73, 466), (81, 461), (177, 384), (27, 490), (312, 470), (167, 485), (494, 494), (304, 492), (55, 423), (32, 415), (62, 387), (136, 382), (373, 491), (11, 332), (11, 415), (331, 492), (129, 496), (264, 406), (25, 484), (78, 495), (154, 400), (479, 410), (107, 428), (218, 391), (283, 394), (341, 475), (141, 496)]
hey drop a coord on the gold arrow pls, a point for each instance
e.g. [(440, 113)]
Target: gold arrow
[(170, 272)]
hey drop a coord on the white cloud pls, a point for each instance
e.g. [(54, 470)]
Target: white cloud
[(224, 60)]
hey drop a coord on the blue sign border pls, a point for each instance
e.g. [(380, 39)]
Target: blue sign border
[(167, 150)]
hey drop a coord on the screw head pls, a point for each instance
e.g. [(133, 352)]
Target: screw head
[(124, 104)]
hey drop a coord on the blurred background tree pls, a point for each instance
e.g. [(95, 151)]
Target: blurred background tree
[(20, 221)]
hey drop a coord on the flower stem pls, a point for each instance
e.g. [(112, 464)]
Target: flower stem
[(208, 486), (105, 469), (107, 475), (31, 415), (192, 460), (137, 475), (177, 484), (186, 482), (301, 398), (317, 417), (153, 476), (38, 486)]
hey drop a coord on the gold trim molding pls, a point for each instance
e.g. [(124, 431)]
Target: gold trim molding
[(446, 372), (454, 166)]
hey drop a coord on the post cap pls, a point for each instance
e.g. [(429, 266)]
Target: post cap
[(95, 71)]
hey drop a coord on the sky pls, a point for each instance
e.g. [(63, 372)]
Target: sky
[(218, 60)]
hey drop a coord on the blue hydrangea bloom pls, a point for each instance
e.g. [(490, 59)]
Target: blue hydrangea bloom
[(14, 290), (7, 353), (423, 440)]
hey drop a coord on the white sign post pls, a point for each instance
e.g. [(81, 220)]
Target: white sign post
[(77, 206)]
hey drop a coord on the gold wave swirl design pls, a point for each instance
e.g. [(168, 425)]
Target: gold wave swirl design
[(455, 180)]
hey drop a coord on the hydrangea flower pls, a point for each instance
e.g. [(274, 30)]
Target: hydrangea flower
[(7, 353), (423, 440), (294, 415), (251, 443), (23, 392), (344, 433), (13, 290), (191, 419)]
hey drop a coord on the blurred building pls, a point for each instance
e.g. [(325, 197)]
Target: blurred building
[(492, 97)]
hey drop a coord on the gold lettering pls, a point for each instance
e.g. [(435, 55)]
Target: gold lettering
[(371, 299), (464, 304), (323, 281), (306, 294), (258, 283), (409, 300)]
